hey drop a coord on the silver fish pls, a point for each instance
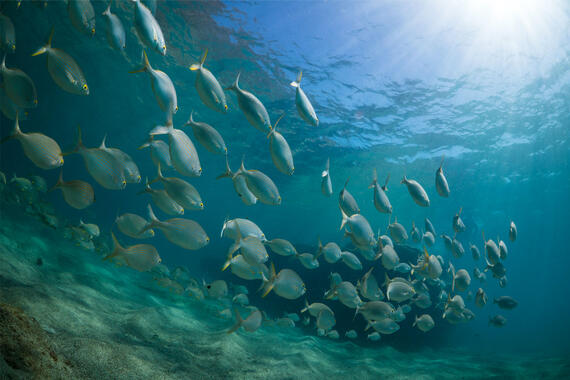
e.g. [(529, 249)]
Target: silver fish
[(252, 108), (208, 87), (304, 106)]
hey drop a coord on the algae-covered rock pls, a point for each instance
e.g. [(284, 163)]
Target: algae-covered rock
[(25, 348)]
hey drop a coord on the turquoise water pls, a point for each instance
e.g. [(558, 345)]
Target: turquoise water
[(396, 86)]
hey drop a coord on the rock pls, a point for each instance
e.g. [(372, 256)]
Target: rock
[(25, 348)]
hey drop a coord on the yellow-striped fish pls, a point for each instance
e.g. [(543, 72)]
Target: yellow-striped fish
[(78, 194)]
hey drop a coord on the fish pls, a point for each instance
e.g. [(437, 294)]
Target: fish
[(240, 185), (381, 201), (208, 87), (375, 310), (207, 135), (148, 29), (78, 194), (141, 257), (39, 183), (180, 191), (82, 16), (506, 302), (429, 226), (42, 150), (388, 255), (503, 281), (92, 229), (245, 226), (428, 238), (347, 202), (7, 34), (398, 291), (18, 85), (331, 251), (304, 106), (457, 248), (250, 324), (281, 247), (403, 268), (333, 334), (416, 191), (326, 319), (8, 107), (261, 186), (447, 242), (114, 31), (474, 252), (457, 224), (308, 260), (132, 224), (397, 232), (162, 86), (424, 322), (374, 337), (326, 184), (216, 289), (384, 326), (101, 165), (314, 309), (63, 69), (492, 252), (22, 183), (286, 284), (280, 151), (480, 298), (497, 321), (441, 184), (512, 231), (415, 233), (242, 269), (351, 334), (346, 293), (251, 248), (358, 229), (162, 200), (503, 250), (351, 260), (184, 233), (422, 300), (368, 287), (285, 322), (159, 151), (128, 165), (461, 280), (252, 108)]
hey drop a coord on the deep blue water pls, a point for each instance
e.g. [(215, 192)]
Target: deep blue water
[(396, 86)]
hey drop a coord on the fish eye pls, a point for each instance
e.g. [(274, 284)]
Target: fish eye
[(202, 204), (85, 87), (226, 107), (93, 31)]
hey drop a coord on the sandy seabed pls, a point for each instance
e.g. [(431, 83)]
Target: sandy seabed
[(77, 317)]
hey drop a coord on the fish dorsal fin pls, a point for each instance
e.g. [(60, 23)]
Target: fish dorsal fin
[(385, 187), (441, 164), (203, 57), (103, 146)]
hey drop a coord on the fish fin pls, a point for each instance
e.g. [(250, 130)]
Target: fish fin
[(386, 279), (385, 187), (404, 179), (328, 165), (344, 219), (415, 322), (161, 130), (239, 322), (374, 178), (145, 65), (117, 249), (441, 164), (224, 226), (58, 183), (203, 57), (297, 82), (151, 215), (108, 10), (228, 172), (103, 146), (195, 66), (235, 85), (306, 306), (45, 48), (277, 122), (227, 262)]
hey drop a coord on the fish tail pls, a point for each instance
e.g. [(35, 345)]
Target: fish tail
[(47, 46), (117, 249), (227, 263), (239, 322), (108, 10), (228, 172), (344, 219), (374, 178), (145, 65), (235, 85), (59, 181), (297, 82), (404, 180), (415, 321)]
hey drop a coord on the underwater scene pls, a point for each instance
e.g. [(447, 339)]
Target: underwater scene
[(284, 189)]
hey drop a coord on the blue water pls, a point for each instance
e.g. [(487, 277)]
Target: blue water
[(396, 85)]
